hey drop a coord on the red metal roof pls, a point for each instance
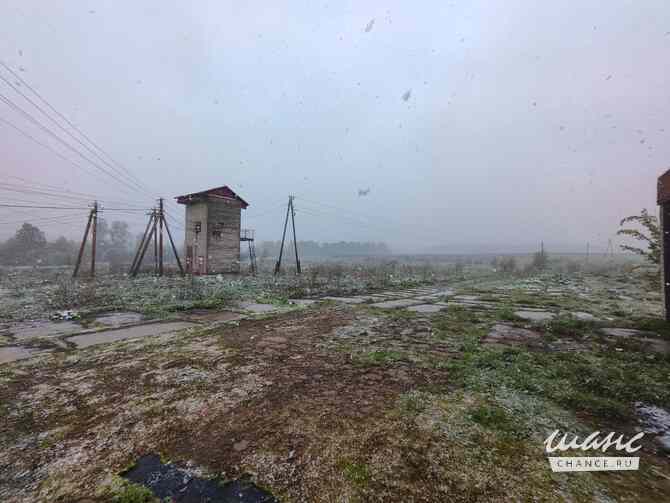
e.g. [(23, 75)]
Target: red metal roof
[(223, 191)]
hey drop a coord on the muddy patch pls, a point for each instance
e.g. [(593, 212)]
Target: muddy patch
[(167, 481)]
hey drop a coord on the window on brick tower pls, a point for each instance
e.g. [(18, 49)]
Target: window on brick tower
[(217, 233)]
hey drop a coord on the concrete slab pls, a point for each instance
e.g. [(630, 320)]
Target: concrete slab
[(467, 298), (581, 316), (427, 308), (302, 302), (10, 354), (535, 316), (91, 339), (626, 332), (396, 304), (44, 329), (346, 300), (119, 318), (473, 304), (258, 308)]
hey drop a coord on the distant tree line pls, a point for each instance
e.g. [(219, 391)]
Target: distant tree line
[(314, 249), (29, 246)]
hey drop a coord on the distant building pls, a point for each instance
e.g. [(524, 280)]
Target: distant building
[(212, 240)]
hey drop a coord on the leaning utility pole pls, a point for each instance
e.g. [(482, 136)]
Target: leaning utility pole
[(295, 239), (94, 240), (290, 210), (92, 222), (160, 237), (154, 232)]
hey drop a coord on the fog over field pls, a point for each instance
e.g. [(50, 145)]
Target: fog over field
[(431, 126)]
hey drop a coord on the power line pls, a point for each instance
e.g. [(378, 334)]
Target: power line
[(59, 219), (59, 195), (41, 207), (69, 133), (75, 128), (44, 128), (46, 146), (67, 207)]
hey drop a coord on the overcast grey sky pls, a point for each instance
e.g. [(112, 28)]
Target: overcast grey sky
[(525, 120)]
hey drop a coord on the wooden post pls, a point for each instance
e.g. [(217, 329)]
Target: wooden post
[(283, 237), (94, 237), (83, 245)]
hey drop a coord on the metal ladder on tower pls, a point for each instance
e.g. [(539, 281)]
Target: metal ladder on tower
[(252, 257)]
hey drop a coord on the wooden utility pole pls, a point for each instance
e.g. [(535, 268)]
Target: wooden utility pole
[(283, 237), (160, 236), (91, 223), (290, 210), (154, 232), (94, 239), (141, 244), (295, 239), (83, 245)]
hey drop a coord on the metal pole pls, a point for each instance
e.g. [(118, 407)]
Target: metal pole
[(83, 245), (283, 237), (94, 237)]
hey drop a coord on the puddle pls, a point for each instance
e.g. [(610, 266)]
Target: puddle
[(91, 339), (118, 319), (168, 482), (44, 329), (10, 354)]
